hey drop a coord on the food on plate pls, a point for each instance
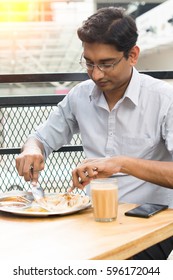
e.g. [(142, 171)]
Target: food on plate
[(67, 200), (63, 201), (12, 204), (15, 198), (35, 209), (55, 202), (14, 201)]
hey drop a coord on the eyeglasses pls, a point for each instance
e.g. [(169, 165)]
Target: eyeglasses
[(104, 67)]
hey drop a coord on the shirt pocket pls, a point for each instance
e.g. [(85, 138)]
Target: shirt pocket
[(138, 147)]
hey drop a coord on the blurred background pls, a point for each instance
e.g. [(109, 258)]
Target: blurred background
[(39, 36)]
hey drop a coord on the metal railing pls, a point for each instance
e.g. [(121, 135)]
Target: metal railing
[(20, 115)]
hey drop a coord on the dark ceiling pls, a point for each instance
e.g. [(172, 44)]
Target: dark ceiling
[(141, 8)]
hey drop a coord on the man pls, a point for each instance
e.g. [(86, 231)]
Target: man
[(123, 116)]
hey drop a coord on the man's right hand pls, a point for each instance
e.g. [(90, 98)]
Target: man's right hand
[(30, 158)]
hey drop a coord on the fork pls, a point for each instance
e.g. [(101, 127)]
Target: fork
[(37, 190), (39, 196)]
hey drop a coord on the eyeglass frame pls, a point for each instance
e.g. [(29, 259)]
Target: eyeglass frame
[(84, 65)]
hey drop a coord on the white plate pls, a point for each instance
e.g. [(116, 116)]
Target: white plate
[(22, 210), (43, 214)]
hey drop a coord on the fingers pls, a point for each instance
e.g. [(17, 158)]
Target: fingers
[(83, 175), (34, 174), (35, 168), (91, 169), (24, 162), (86, 173), (79, 185)]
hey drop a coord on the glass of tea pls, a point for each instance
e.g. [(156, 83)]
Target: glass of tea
[(104, 197)]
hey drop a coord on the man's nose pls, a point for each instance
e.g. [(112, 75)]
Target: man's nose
[(97, 73)]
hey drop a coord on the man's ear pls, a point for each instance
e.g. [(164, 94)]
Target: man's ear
[(133, 55)]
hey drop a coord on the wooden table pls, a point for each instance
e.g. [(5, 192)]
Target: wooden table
[(79, 237)]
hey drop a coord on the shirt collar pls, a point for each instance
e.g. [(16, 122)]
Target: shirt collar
[(132, 91)]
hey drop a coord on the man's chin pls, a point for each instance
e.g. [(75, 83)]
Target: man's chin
[(103, 85)]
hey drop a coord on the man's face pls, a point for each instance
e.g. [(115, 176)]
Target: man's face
[(108, 78)]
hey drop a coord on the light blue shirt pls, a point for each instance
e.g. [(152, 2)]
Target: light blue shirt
[(140, 125)]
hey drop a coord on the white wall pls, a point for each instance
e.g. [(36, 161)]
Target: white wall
[(159, 58), (156, 45)]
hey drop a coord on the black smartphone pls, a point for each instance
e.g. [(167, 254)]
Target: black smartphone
[(146, 210)]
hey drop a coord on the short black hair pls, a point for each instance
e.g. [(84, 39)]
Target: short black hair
[(111, 26)]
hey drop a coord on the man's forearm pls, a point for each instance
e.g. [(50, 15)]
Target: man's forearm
[(156, 172)]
